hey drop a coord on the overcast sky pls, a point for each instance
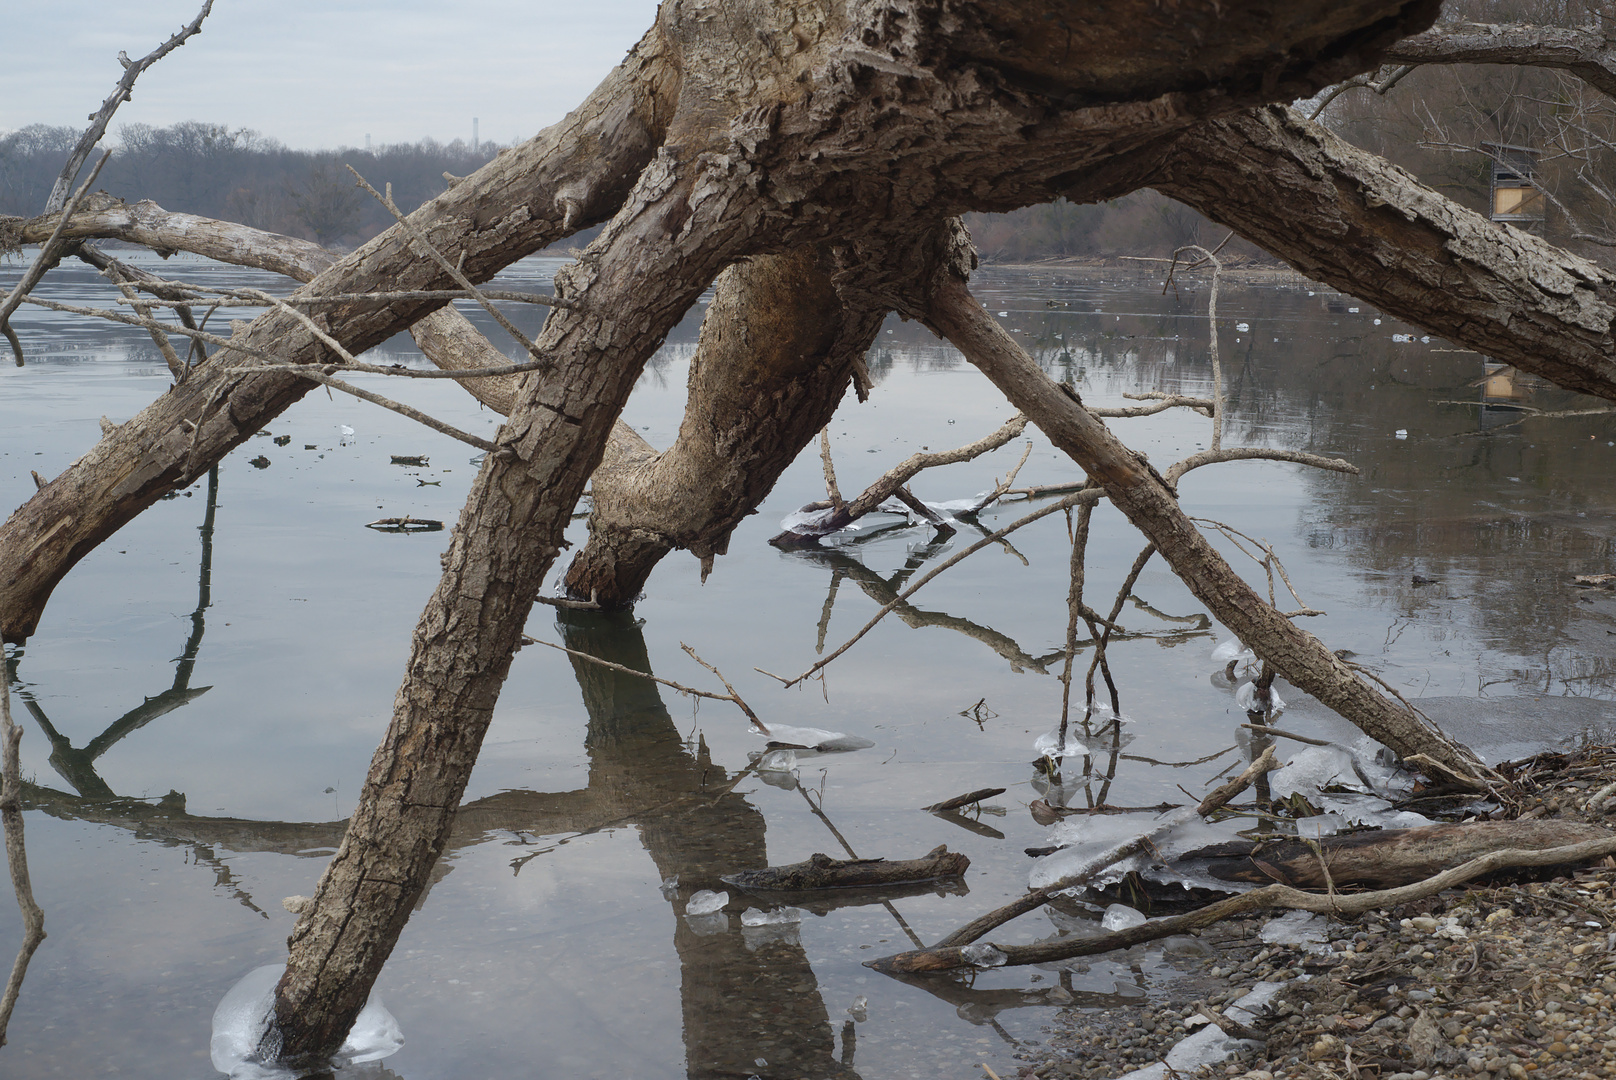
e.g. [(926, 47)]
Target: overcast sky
[(320, 73)]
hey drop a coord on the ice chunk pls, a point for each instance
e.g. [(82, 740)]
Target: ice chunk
[(708, 925), (1101, 735), (815, 738), (780, 916), (706, 902), (1313, 769), (859, 1010), (1209, 1045), (1121, 916), (244, 1015), (1311, 828), (1401, 433), (1304, 928), (983, 955), (669, 887), (808, 522), (777, 761), (1242, 327), (1245, 696), (1244, 660)]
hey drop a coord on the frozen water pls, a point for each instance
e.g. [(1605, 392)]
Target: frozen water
[(780, 916), (706, 902), (1245, 661), (1121, 916), (1246, 697), (1086, 837), (1311, 828), (777, 761), (1101, 735), (1305, 928), (983, 955), (1312, 770), (243, 1016), (815, 738), (1242, 327), (859, 1010), (708, 925), (808, 522), (1209, 1045), (669, 887)]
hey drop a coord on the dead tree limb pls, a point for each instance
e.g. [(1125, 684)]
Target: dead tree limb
[(1369, 229), (1136, 489), (1580, 51), (940, 958)]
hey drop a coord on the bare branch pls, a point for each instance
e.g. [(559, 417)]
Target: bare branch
[(731, 697), (1584, 53), (120, 93), (453, 271), (1258, 453), (47, 258), (1087, 495)]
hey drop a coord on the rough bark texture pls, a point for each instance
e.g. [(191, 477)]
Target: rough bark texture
[(776, 353), (1385, 858), (1136, 489), (1585, 53), (1371, 229)]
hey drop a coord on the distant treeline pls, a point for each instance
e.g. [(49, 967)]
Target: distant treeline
[(239, 175)]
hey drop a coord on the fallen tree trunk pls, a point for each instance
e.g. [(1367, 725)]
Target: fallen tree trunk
[(1384, 858), (824, 872), (1135, 488)]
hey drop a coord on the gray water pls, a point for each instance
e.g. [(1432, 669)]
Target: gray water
[(163, 835)]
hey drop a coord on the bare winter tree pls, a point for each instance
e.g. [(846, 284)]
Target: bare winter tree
[(810, 156)]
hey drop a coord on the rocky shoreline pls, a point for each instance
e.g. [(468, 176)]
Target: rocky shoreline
[(1494, 982)]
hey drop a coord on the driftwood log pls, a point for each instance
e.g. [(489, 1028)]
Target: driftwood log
[(824, 872), (1384, 859)]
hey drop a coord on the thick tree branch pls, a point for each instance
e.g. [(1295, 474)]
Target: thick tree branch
[(1583, 52)]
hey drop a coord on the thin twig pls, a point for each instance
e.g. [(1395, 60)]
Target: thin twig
[(320, 299), (449, 268), (731, 697), (992, 538)]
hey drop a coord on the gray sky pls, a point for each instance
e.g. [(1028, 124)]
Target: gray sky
[(320, 73)]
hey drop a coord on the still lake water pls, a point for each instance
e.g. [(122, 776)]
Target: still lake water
[(271, 627)]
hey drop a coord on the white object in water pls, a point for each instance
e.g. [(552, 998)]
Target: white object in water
[(1242, 327), (243, 1016), (1401, 433), (1246, 697), (706, 902), (1121, 916), (777, 761), (983, 955), (1245, 661), (780, 916), (815, 738)]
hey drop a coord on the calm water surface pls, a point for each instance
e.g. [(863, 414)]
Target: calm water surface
[(203, 696)]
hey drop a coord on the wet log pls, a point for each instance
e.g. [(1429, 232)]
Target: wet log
[(965, 800), (1384, 859), (824, 872)]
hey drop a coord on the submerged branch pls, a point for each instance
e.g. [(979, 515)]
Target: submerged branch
[(33, 919)]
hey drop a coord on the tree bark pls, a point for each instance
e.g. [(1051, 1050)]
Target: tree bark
[(778, 348), (1135, 488), (1370, 229), (1582, 52), (823, 872)]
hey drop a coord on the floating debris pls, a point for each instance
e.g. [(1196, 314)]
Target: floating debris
[(405, 524), (259, 462), (417, 460), (282, 440)]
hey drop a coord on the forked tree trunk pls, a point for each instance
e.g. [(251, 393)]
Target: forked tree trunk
[(778, 348)]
